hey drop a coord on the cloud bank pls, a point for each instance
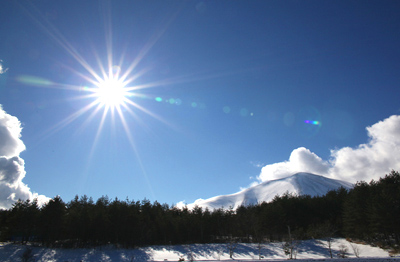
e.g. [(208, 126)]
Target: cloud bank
[(368, 161), (12, 167)]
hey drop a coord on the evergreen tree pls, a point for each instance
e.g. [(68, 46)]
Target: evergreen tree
[(385, 206), (357, 210), (52, 217), (23, 220)]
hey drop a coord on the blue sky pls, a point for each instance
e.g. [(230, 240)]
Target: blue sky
[(225, 88)]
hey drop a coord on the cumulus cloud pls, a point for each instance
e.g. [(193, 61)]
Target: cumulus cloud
[(368, 161), (2, 70), (12, 167), (300, 160)]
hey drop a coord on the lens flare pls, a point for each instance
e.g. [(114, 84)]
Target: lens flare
[(317, 123), (34, 81)]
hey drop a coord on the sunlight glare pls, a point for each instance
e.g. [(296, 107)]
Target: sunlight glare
[(111, 92)]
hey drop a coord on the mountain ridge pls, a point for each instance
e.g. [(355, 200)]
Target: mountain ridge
[(301, 183)]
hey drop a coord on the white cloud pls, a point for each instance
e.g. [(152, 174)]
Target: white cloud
[(181, 204), (301, 160), (367, 161), (2, 70), (12, 167), (10, 133)]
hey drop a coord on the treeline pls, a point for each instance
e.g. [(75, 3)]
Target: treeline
[(369, 211)]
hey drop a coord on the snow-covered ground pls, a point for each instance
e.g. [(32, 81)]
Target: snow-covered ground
[(310, 250)]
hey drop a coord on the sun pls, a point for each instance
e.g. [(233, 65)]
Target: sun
[(111, 92)]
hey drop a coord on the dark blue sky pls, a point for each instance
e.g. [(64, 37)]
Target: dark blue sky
[(237, 80)]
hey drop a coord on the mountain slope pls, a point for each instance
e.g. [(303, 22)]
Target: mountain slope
[(299, 183)]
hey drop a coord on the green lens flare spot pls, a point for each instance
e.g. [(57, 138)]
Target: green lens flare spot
[(244, 112)]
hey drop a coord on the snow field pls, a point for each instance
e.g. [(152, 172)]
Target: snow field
[(310, 250)]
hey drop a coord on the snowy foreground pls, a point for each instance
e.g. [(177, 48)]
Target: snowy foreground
[(310, 250)]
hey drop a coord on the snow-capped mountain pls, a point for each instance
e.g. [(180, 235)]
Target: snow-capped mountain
[(299, 184)]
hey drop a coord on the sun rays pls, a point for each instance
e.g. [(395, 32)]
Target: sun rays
[(108, 89), (105, 91)]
